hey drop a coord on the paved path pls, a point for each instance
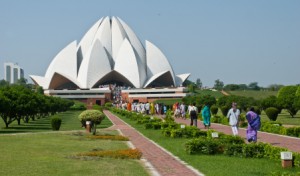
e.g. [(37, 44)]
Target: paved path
[(292, 143), (162, 161)]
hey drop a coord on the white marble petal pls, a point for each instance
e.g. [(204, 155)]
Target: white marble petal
[(94, 66), (181, 78), (157, 61), (127, 65), (65, 62)]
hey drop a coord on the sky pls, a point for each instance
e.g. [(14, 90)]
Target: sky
[(235, 41)]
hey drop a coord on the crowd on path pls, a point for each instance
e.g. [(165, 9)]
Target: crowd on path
[(180, 110)]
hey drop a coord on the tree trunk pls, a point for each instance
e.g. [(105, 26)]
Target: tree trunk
[(19, 121)]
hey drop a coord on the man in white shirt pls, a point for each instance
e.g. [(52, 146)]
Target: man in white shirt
[(233, 115)]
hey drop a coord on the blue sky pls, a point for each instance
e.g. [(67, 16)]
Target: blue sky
[(236, 41)]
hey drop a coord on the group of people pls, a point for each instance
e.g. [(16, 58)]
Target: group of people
[(143, 107), (252, 117), (233, 115)]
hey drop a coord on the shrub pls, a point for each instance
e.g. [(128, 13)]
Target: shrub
[(78, 106), (202, 146), (272, 113), (254, 150), (95, 116), (108, 105), (214, 109), (272, 128), (148, 125), (257, 110), (224, 110), (98, 107), (233, 150), (55, 123)]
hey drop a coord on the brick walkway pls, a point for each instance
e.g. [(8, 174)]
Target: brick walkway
[(292, 143), (161, 160)]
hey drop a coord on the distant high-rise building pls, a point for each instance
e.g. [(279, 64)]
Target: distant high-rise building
[(12, 72)]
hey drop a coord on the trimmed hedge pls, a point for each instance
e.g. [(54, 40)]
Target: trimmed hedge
[(272, 113), (55, 123)]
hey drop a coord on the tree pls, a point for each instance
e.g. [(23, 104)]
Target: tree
[(253, 86), (270, 101), (287, 99), (192, 87), (231, 87), (95, 116), (275, 87), (218, 85), (199, 83), (3, 83)]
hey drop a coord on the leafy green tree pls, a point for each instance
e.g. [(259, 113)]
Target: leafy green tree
[(243, 103), (40, 90), (270, 101), (95, 116), (275, 87), (253, 86), (199, 83), (192, 87), (287, 99), (218, 85), (231, 87), (3, 83)]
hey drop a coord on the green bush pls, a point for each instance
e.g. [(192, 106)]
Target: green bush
[(97, 107), (224, 110), (148, 125), (214, 109), (202, 146), (78, 106), (156, 126), (95, 116), (272, 113), (272, 128), (254, 150), (257, 110), (233, 150), (108, 105), (55, 123), (293, 131)]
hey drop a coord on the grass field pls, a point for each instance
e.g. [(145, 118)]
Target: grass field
[(217, 164), (69, 122), (216, 94), (258, 95), (51, 154)]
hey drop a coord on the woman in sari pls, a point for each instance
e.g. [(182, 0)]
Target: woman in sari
[(206, 116), (253, 125)]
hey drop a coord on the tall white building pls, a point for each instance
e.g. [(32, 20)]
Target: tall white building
[(12, 72)]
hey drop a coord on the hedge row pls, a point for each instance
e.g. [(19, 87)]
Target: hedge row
[(277, 128)]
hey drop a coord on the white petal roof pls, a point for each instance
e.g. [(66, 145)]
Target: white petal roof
[(109, 51)]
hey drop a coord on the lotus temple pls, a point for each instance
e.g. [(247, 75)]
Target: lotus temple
[(110, 63)]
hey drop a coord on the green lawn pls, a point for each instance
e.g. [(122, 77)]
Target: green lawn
[(69, 122), (255, 94), (55, 154), (217, 164), (216, 94), (169, 101)]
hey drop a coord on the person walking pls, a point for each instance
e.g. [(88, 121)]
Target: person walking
[(206, 116), (193, 111), (233, 115), (253, 125)]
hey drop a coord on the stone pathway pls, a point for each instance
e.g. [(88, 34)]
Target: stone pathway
[(292, 143), (163, 162)]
